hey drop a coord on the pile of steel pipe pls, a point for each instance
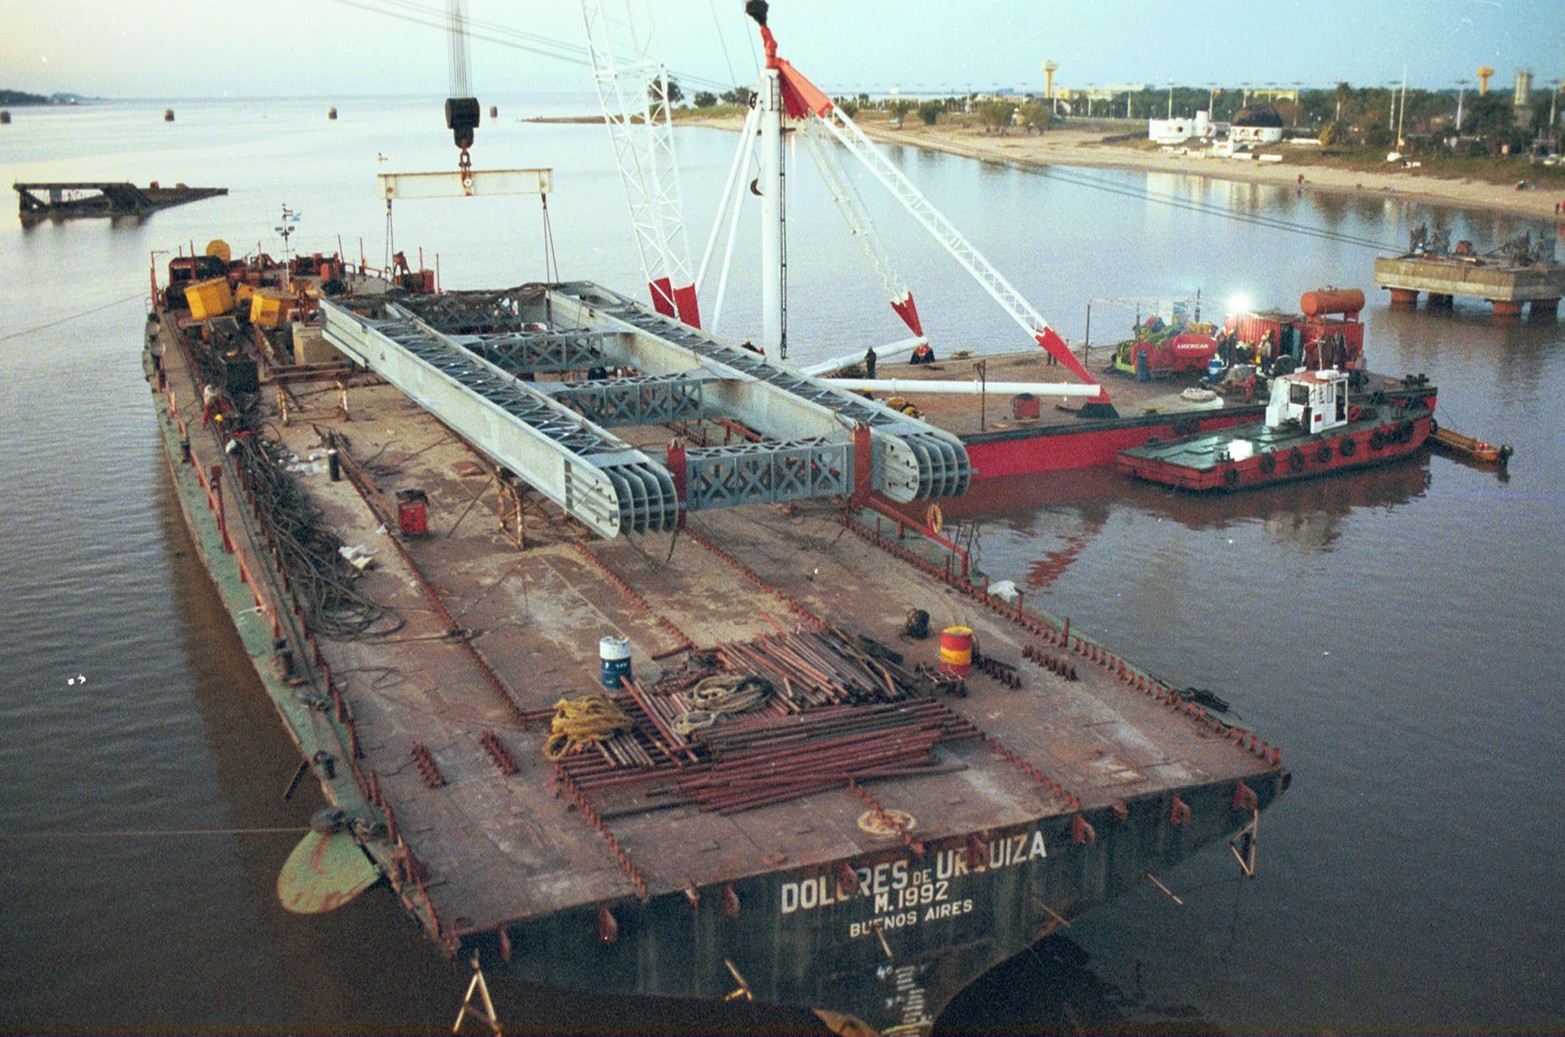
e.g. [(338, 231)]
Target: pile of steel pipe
[(761, 776), (818, 668), (766, 758)]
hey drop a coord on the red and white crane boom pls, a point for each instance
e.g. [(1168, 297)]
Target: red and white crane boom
[(798, 98), (633, 91)]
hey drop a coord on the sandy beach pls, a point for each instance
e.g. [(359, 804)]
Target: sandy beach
[(1087, 147)]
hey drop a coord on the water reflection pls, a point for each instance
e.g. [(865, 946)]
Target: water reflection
[(1052, 989), (1310, 513)]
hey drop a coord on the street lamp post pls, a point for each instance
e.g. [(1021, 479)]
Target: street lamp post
[(1402, 113), (1554, 96), (1170, 99)]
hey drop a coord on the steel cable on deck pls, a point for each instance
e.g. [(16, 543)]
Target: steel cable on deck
[(309, 553)]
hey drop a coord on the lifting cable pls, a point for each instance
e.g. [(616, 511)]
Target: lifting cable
[(83, 313)]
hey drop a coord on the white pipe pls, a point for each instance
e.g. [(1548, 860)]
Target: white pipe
[(882, 352), (771, 186), (733, 222), (914, 386), (741, 158)]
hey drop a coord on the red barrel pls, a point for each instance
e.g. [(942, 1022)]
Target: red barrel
[(1026, 405), (956, 650), (1331, 300)]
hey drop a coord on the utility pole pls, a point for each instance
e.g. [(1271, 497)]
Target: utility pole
[(1402, 112), (1554, 140)]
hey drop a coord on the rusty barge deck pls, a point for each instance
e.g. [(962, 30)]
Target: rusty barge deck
[(1059, 776)]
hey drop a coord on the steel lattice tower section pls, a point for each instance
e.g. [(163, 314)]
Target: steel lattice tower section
[(633, 91)]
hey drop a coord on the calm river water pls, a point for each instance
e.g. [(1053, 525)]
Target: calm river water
[(1397, 632)]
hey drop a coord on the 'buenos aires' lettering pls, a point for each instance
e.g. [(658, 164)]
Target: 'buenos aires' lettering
[(898, 885)]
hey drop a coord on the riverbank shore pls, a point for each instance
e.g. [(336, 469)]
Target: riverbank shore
[(1089, 148)]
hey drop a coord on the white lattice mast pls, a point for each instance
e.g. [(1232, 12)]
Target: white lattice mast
[(633, 90)]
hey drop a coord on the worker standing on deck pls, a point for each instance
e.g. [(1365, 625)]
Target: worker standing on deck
[(869, 362)]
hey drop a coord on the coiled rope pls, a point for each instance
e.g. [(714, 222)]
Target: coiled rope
[(719, 696), (582, 723)]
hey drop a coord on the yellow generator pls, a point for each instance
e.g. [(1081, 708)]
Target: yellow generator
[(269, 309), (208, 299)]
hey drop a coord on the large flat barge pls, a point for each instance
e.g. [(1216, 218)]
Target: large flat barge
[(1009, 436), (886, 826)]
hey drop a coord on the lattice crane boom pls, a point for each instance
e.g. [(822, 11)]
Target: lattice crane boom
[(633, 90)]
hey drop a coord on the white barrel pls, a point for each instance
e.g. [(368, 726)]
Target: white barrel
[(614, 658)]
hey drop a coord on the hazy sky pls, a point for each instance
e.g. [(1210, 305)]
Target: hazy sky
[(164, 49)]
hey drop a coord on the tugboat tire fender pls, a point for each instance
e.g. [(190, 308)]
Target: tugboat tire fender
[(1268, 462), (1347, 447), (1377, 440), (1230, 476), (1296, 459), (1323, 453)]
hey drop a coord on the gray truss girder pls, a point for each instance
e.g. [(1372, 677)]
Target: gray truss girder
[(606, 483), (642, 400), (541, 352), (912, 460), (767, 473)]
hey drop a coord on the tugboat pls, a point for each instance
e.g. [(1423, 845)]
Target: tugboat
[(1311, 428)]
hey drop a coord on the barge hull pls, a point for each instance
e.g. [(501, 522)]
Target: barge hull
[(1069, 779)]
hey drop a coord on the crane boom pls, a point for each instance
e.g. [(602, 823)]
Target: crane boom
[(857, 218), (633, 92), (803, 100)]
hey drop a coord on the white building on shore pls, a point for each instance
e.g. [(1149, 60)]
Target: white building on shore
[(1177, 131)]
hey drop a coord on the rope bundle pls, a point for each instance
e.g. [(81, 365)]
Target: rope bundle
[(582, 723), (718, 696)]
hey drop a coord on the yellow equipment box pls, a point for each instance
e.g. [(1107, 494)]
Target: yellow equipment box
[(271, 309), (209, 298)]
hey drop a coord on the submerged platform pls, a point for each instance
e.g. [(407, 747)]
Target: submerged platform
[(70, 199), (1506, 285)]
